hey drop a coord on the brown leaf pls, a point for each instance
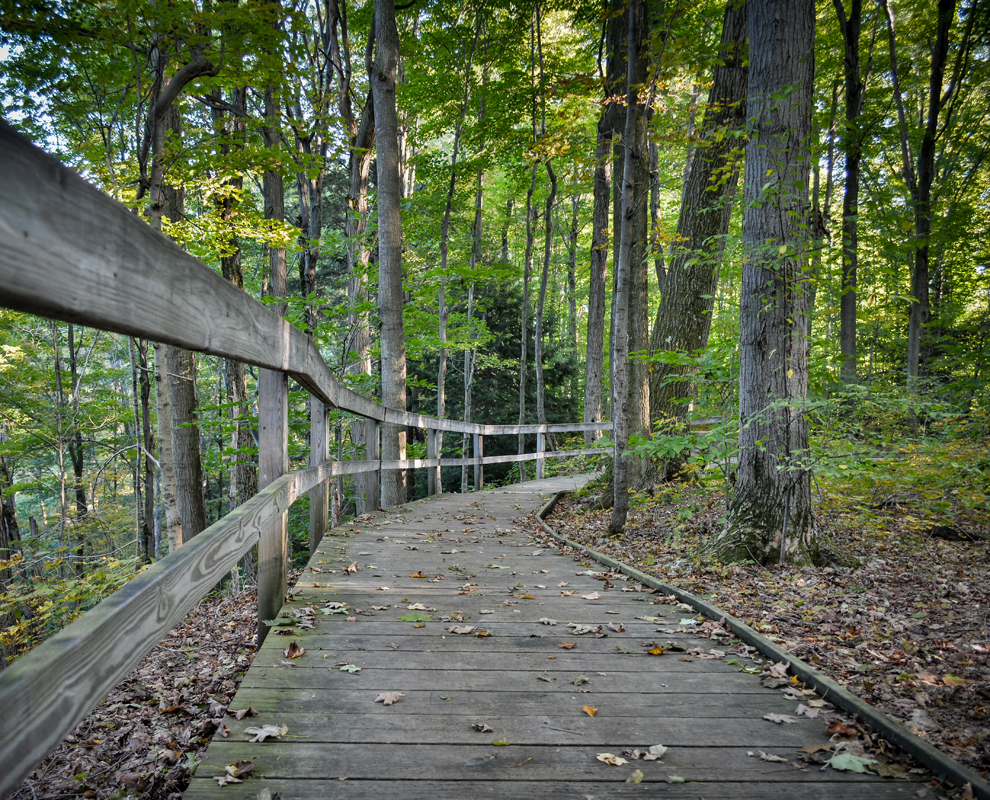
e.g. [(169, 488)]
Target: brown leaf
[(389, 698), (780, 718), (243, 712), (239, 768), (480, 727), (568, 645), (589, 710), (294, 650), (611, 760), (461, 629)]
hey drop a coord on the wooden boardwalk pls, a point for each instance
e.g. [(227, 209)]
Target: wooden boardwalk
[(466, 555)]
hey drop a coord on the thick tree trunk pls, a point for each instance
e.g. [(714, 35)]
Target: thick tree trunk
[(771, 518), (595, 354), (182, 394), (684, 317), (389, 245), (635, 168)]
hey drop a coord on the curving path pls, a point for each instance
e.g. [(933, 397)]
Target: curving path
[(518, 683)]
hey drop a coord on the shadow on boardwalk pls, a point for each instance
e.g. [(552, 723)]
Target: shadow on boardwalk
[(465, 561)]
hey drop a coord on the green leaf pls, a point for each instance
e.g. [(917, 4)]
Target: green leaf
[(351, 668), (415, 618), (281, 621)]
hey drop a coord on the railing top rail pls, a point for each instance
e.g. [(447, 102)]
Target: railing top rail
[(70, 252)]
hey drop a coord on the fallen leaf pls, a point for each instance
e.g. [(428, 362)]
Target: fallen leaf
[(568, 645), (239, 768), (850, 763), (262, 733), (779, 670), (592, 596), (243, 712), (547, 621), (417, 607), (480, 727), (487, 611), (351, 668), (611, 760), (779, 718), (656, 651), (772, 757), (483, 634), (417, 575), (293, 650), (953, 680), (589, 710), (674, 779), (804, 711), (579, 680), (414, 618), (350, 619), (460, 629), (562, 584), (636, 776), (389, 698), (567, 593), (501, 743)]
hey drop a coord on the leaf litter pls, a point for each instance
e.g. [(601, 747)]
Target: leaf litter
[(905, 631)]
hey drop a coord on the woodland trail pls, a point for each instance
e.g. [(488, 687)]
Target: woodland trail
[(467, 561)]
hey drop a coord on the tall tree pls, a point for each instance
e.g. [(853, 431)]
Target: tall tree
[(850, 26), (389, 244), (919, 172), (634, 180), (771, 517), (684, 317)]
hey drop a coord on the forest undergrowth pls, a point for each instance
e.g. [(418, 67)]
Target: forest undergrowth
[(908, 630)]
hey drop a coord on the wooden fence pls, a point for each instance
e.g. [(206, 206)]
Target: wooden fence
[(69, 252)]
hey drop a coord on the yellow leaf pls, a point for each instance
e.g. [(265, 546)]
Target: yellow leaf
[(656, 651), (590, 710)]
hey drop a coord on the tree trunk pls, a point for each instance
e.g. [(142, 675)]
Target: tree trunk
[(595, 358), (636, 165), (920, 182), (389, 245), (684, 317), (656, 243), (541, 400), (471, 353), (76, 455), (770, 518), (182, 393), (852, 146), (10, 536), (524, 317)]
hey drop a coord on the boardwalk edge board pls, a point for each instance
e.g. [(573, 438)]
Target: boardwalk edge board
[(934, 759)]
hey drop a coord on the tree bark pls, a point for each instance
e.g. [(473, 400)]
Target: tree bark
[(684, 317), (852, 145), (389, 245), (595, 351), (636, 164), (524, 316), (76, 454), (541, 400), (771, 519)]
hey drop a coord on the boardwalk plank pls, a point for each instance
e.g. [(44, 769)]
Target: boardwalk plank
[(341, 743)]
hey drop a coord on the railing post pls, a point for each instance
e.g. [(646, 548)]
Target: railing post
[(479, 468), (319, 507), (432, 473), (273, 443), (539, 455), (372, 434)]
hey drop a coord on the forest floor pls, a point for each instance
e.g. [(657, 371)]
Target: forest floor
[(907, 631), (148, 736)]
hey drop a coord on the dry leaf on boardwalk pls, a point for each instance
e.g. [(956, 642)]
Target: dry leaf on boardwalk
[(293, 650), (779, 718), (480, 727), (262, 733), (389, 698), (461, 629), (589, 710), (611, 760)]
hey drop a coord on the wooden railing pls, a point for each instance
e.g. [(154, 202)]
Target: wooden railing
[(69, 252)]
